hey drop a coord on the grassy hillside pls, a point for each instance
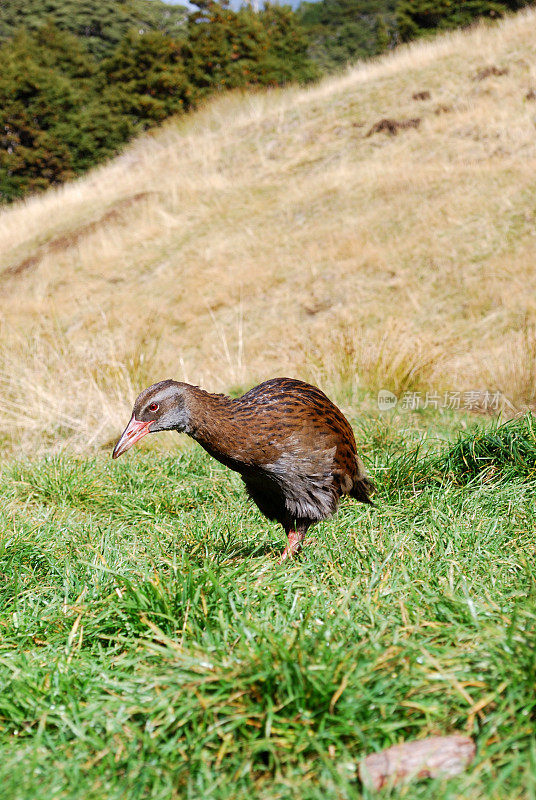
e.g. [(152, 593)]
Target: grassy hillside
[(150, 645), (269, 234)]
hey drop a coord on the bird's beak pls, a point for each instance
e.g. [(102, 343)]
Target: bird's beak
[(134, 431)]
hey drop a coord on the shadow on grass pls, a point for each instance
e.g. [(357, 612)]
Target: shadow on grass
[(250, 549)]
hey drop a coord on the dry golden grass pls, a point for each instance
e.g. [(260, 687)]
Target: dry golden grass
[(267, 234)]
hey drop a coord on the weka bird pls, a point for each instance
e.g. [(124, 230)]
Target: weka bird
[(293, 448)]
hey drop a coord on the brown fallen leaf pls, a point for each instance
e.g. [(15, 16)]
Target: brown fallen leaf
[(426, 758)]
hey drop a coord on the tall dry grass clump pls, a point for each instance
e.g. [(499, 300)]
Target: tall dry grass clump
[(512, 370), (270, 234), (397, 359), (56, 391)]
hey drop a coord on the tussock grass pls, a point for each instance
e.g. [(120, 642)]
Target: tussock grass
[(397, 360), (501, 452), (514, 375), (487, 454), (58, 392), (234, 244), (152, 647)]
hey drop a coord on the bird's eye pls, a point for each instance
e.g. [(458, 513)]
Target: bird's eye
[(153, 407)]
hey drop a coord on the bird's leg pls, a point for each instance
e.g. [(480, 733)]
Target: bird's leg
[(296, 540)]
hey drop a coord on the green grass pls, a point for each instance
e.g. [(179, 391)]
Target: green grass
[(151, 647)]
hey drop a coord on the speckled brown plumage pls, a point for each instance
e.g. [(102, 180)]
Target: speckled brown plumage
[(292, 446)]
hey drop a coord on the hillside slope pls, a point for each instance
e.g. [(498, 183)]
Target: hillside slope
[(269, 234)]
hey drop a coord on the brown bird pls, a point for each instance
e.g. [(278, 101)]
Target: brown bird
[(294, 449)]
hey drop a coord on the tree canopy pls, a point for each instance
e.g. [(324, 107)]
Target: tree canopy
[(53, 123), (343, 31), (227, 49), (101, 24), (416, 18)]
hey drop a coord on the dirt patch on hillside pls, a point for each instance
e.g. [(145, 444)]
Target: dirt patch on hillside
[(489, 72), (72, 238), (393, 126)]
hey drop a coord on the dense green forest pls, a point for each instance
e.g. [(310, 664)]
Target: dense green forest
[(417, 18), (79, 78), (343, 31), (101, 24)]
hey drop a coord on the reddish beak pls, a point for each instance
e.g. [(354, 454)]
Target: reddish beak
[(134, 431)]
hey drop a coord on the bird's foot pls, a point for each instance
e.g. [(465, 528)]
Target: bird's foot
[(284, 555), (295, 543)]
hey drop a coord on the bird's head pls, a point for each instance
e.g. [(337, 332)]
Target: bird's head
[(161, 407)]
